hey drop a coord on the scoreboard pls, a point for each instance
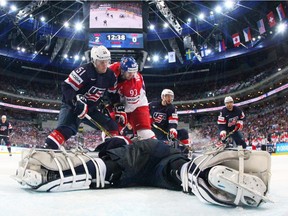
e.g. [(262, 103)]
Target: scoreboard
[(117, 40)]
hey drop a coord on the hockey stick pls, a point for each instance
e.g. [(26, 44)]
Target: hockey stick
[(228, 135), (166, 133), (98, 125)]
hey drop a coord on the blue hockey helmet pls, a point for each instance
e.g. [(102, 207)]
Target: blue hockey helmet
[(128, 64)]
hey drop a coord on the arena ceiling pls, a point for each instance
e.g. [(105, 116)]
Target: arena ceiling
[(199, 19)]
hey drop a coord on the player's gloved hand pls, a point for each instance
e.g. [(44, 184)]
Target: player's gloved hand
[(239, 125), (120, 115), (223, 135), (81, 108), (173, 133)]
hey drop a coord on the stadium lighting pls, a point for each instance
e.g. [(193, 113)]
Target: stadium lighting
[(18, 48), (66, 24), (259, 37), (229, 4), (35, 52), (78, 26), (218, 9), (281, 27), (188, 20), (201, 16), (152, 27), (23, 50), (165, 25), (208, 51), (31, 16), (166, 56), (42, 19), (83, 58), (155, 58), (65, 56), (279, 69), (148, 58), (3, 3), (211, 12), (13, 8), (253, 39), (76, 57)]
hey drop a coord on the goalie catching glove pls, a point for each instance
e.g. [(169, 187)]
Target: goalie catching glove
[(120, 115), (81, 108)]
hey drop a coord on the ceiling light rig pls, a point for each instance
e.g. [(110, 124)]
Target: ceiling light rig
[(166, 12)]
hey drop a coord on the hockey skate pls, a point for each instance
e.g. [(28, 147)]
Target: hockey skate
[(56, 170), (231, 177)]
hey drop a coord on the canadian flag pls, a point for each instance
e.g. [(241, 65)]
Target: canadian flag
[(236, 39)]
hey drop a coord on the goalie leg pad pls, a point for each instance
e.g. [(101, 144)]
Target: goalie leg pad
[(226, 179), (60, 171)]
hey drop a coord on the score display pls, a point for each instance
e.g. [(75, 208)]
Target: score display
[(117, 40)]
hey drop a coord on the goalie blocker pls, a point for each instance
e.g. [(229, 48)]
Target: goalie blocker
[(229, 177)]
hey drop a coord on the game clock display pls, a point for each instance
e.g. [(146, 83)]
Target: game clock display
[(117, 40)]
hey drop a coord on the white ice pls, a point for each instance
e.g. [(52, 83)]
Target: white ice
[(15, 200)]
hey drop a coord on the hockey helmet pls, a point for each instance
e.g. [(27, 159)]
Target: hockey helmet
[(128, 64), (100, 53), (228, 99), (167, 92)]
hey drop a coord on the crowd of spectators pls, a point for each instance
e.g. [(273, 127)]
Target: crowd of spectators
[(182, 92), (264, 124)]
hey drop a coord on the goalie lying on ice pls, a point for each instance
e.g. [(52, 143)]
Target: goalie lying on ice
[(229, 177)]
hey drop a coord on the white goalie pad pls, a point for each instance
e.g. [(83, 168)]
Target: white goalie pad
[(236, 177), (44, 170)]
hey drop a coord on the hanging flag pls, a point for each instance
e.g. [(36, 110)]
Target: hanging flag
[(222, 46), (189, 54), (271, 19), (203, 50), (236, 39), (280, 12), (171, 57), (261, 26), (247, 34)]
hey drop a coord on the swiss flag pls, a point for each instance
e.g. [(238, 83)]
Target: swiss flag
[(236, 39), (271, 19)]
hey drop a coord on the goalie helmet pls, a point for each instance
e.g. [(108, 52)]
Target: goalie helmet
[(128, 64), (100, 53), (167, 92)]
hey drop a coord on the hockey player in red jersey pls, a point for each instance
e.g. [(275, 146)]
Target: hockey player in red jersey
[(165, 119), (231, 119), (131, 89), (5, 132), (81, 93)]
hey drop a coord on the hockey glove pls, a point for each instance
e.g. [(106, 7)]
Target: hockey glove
[(239, 125), (222, 135), (120, 115), (173, 133), (81, 108)]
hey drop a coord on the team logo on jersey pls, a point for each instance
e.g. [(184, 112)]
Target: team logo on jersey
[(94, 93), (232, 121), (159, 117)]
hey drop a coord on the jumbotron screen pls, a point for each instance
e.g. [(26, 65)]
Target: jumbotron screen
[(117, 40), (115, 15)]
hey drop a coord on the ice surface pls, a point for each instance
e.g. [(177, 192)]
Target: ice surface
[(14, 200)]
